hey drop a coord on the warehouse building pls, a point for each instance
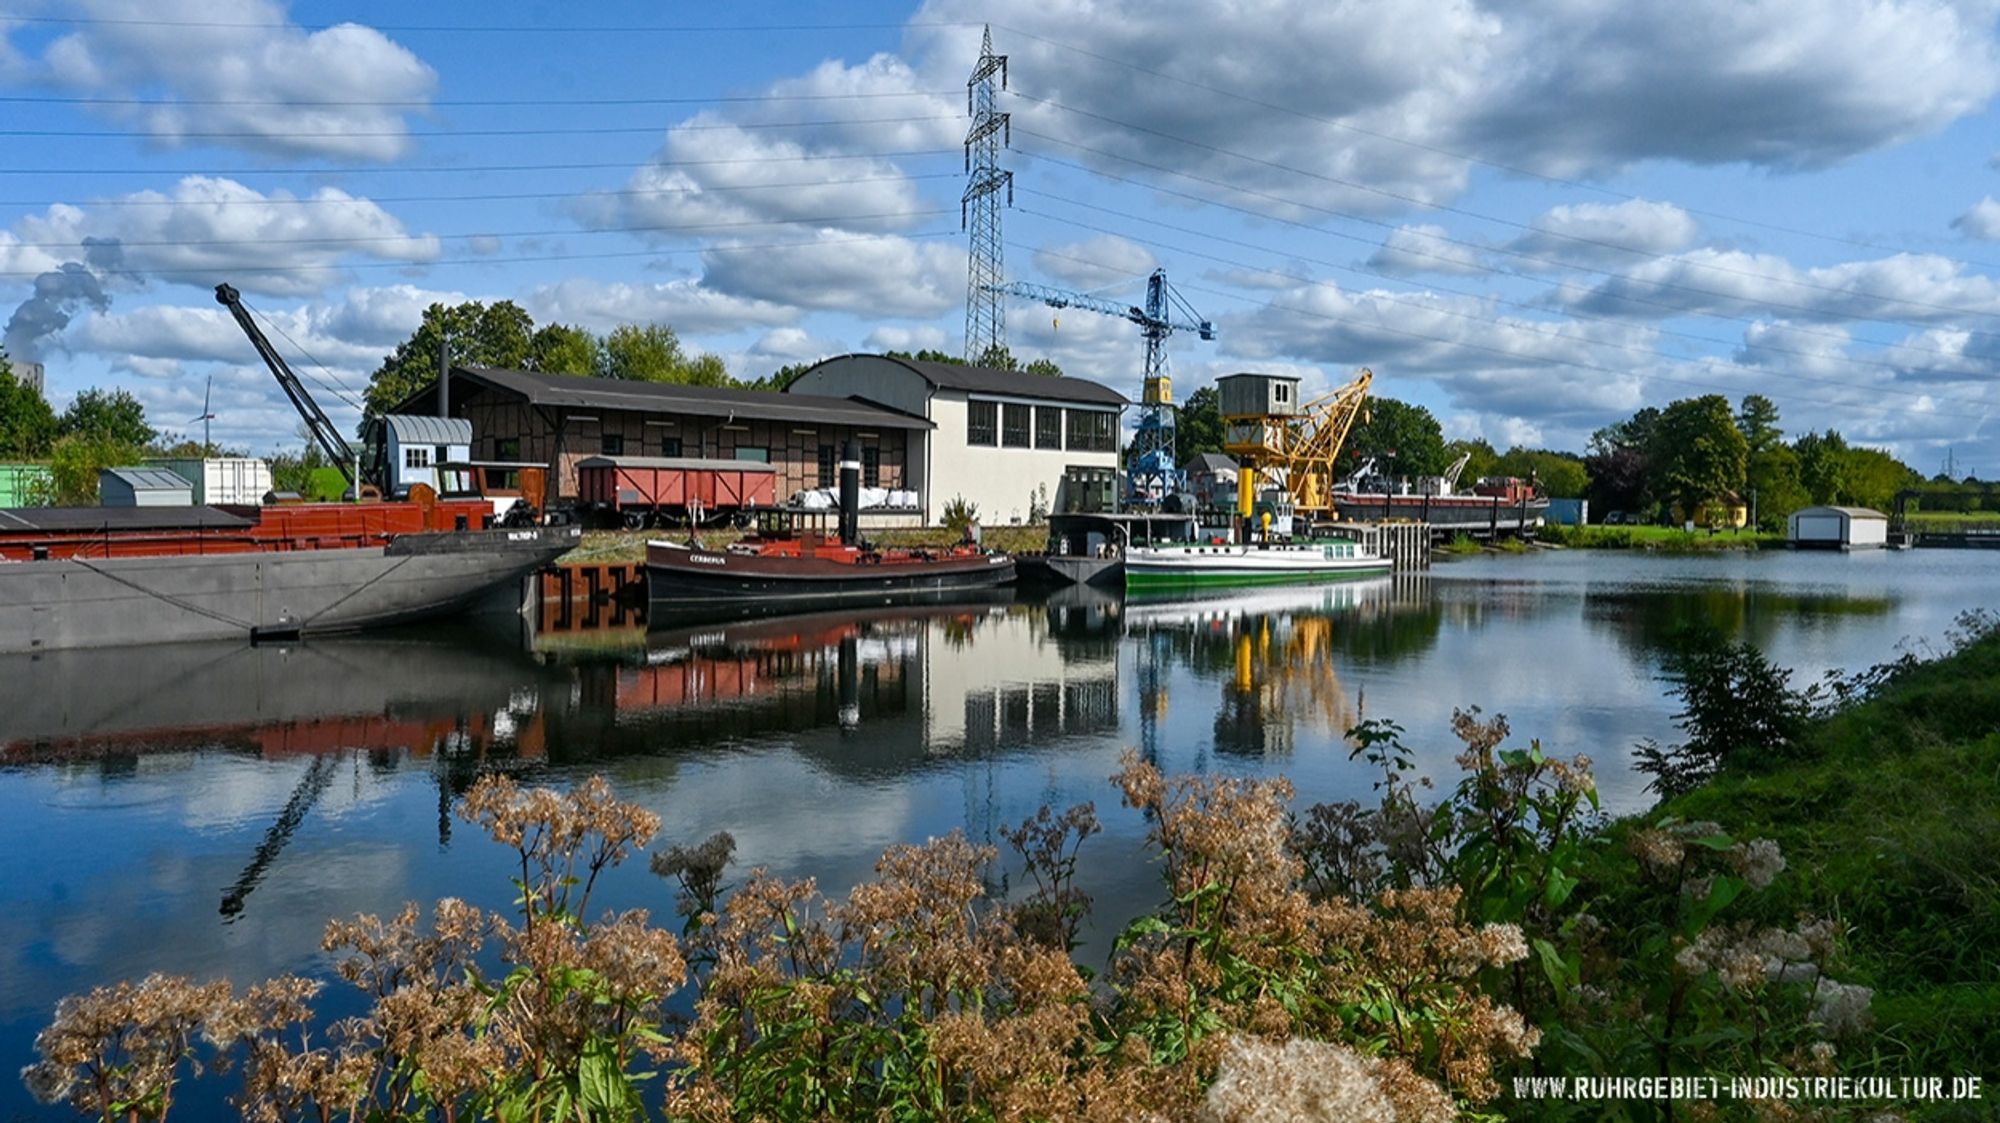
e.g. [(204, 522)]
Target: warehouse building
[(560, 420), (1838, 528), (1002, 440)]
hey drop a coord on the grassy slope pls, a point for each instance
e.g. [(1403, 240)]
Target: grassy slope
[(1664, 538), (1893, 826)]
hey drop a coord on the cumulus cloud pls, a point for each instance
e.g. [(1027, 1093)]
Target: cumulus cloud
[(1098, 262), (1903, 286), (687, 305), (1410, 250), (1605, 235), (1982, 221), (209, 229), (900, 337), (884, 276), (202, 64)]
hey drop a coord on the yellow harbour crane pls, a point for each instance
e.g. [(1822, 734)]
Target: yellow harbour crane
[(1292, 444)]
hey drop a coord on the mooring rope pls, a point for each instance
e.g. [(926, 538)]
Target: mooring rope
[(166, 597), (356, 591)]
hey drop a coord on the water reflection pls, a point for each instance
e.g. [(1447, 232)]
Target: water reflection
[(205, 808)]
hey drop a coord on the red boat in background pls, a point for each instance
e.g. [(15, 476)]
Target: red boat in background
[(783, 563)]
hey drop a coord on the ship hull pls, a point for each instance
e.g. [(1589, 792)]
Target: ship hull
[(679, 576), (108, 602), (1193, 566)]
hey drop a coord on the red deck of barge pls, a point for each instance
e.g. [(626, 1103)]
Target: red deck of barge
[(29, 534)]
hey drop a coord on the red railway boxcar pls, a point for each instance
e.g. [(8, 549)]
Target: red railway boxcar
[(648, 490)]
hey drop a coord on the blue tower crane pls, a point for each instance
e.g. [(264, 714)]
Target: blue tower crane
[(1151, 470)]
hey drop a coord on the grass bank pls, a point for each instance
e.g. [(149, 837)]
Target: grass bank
[(1664, 539), (1889, 819)]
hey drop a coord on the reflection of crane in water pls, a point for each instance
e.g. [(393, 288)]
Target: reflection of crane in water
[(311, 786), (1152, 658), (1281, 674)]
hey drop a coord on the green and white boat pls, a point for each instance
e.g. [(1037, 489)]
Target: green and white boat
[(1254, 563)]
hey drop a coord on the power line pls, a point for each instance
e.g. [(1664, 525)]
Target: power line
[(337, 388), (210, 271), (483, 197), (535, 29), (1415, 201), (463, 168), (455, 103), (1436, 150), (644, 228), (593, 130)]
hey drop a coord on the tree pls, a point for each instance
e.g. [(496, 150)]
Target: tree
[(116, 417), (75, 461), (653, 353), (1635, 432), (1198, 428), (1757, 420), (1773, 479), (997, 357), (1047, 368), (1405, 440), (479, 335), (1698, 455), (1822, 465), (561, 349), (1559, 473), (1873, 477), (27, 424)]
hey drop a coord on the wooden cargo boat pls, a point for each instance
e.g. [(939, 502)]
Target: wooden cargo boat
[(783, 562)]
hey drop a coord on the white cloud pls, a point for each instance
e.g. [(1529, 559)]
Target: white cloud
[(1982, 221), (881, 276), (1411, 250), (688, 306), (895, 337), (210, 229), (1100, 261), (241, 67), (1903, 286), (1609, 235)]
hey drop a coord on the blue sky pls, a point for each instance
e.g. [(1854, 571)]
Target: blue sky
[(1531, 218)]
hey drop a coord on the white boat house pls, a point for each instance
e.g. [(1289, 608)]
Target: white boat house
[(1838, 528)]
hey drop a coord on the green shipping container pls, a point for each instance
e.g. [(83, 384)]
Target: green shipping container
[(25, 485)]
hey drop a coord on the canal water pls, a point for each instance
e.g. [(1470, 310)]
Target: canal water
[(205, 809)]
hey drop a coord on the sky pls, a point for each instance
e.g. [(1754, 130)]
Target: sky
[(1531, 218)]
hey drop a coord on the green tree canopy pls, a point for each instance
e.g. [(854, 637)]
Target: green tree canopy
[(1822, 465), (27, 424), (115, 416), (479, 335), (653, 353), (1560, 474), (1405, 440), (562, 349), (1873, 478), (1198, 428), (1757, 420), (1481, 463), (1775, 490), (1697, 453)]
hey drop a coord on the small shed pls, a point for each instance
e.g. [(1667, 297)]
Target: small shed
[(1838, 528), (1212, 478), (1258, 395), (418, 443), (143, 487)]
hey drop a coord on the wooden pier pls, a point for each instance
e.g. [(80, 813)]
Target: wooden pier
[(1407, 545)]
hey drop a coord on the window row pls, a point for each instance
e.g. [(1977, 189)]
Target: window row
[(1012, 425)]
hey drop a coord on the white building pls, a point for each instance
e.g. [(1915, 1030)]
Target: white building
[(1002, 440), (1838, 528)]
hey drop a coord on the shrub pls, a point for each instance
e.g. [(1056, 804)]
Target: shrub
[(960, 513), (1735, 705)]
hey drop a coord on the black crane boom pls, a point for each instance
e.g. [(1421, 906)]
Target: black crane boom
[(322, 428)]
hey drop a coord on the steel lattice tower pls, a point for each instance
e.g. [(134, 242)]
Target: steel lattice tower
[(979, 209)]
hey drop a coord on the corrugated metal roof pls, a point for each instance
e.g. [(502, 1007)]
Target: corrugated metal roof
[(418, 429), (1850, 512), (576, 391), (1210, 462), (987, 380), (146, 479)]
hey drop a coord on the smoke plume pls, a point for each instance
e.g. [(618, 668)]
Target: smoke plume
[(59, 295)]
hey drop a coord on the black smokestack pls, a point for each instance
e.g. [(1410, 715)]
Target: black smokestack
[(850, 493), (59, 294)]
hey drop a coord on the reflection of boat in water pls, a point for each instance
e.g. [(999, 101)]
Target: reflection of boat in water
[(1250, 563), (1087, 548), (1162, 608)]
